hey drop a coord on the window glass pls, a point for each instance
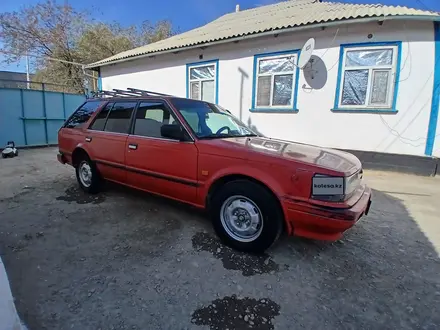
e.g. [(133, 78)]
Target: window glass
[(275, 81), (195, 90), (150, 116), (203, 72), (380, 87), (263, 93), (83, 114), (101, 117), (118, 120), (282, 90), (369, 57), (282, 64), (208, 91), (355, 87)]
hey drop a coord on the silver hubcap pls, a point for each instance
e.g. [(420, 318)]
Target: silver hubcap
[(241, 218), (85, 174)]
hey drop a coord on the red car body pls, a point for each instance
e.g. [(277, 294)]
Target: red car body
[(188, 171)]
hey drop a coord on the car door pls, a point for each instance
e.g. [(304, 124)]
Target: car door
[(107, 137), (160, 165)]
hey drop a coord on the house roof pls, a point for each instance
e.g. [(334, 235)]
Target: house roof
[(283, 15)]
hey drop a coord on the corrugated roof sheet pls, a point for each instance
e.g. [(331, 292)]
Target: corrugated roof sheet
[(279, 16)]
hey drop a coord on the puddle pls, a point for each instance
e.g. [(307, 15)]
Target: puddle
[(248, 264), (237, 313), (74, 194)]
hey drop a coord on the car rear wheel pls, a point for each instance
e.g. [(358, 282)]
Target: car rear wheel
[(87, 176), (246, 216)]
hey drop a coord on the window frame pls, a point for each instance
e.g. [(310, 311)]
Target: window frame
[(276, 108), (190, 66), (393, 84)]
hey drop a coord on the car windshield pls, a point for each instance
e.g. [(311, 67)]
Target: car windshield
[(210, 121)]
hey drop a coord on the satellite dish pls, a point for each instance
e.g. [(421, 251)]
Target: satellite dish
[(306, 53)]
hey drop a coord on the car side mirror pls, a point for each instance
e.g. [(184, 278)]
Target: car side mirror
[(173, 131)]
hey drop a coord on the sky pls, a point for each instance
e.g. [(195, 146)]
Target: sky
[(184, 14)]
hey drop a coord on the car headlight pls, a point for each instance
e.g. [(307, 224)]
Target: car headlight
[(333, 188), (351, 183)]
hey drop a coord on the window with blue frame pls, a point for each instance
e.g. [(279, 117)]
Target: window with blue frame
[(202, 81), (275, 81), (368, 77)]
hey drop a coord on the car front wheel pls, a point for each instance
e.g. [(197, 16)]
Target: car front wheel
[(246, 216)]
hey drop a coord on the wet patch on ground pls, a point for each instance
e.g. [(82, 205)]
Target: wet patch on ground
[(248, 264), (74, 194), (237, 313)]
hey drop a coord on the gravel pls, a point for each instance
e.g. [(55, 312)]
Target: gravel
[(123, 259)]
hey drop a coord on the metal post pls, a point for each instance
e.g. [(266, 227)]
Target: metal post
[(64, 106), (28, 78), (45, 113), (24, 117)]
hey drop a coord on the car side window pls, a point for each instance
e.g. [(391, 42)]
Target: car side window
[(118, 120), (83, 114), (99, 122), (150, 116)]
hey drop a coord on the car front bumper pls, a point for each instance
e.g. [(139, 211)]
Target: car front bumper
[(323, 223)]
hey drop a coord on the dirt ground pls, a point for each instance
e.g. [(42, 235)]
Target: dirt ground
[(127, 260)]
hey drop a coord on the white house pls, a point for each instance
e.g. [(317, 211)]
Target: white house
[(371, 85)]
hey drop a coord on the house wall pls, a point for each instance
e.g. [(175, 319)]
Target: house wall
[(401, 132)]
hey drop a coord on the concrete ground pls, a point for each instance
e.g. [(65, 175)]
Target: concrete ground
[(127, 260)]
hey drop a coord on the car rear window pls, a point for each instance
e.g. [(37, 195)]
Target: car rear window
[(83, 114)]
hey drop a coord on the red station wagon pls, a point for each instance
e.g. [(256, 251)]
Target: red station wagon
[(198, 153)]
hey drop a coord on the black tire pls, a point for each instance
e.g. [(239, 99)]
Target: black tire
[(16, 153), (272, 215), (95, 181), (4, 156)]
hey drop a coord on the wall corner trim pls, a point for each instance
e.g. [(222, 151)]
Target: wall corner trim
[(433, 117)]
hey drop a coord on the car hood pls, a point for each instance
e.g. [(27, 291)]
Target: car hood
[(303, 153)]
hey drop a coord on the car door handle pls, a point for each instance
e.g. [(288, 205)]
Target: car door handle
[(132, 146), (88, 139)]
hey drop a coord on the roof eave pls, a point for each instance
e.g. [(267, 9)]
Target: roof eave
[(97, 65)]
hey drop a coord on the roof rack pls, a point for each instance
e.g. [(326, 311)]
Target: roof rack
[(129, 92)]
